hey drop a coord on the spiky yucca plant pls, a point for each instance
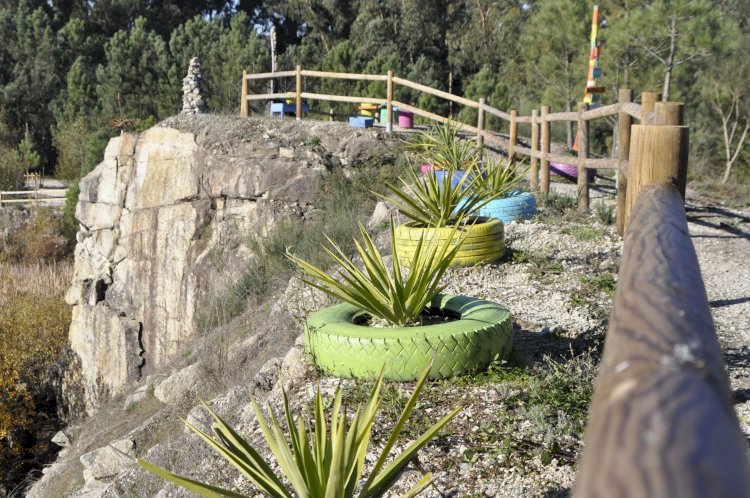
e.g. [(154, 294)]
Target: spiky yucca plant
[(317, 462), (443, 147), (432, 201), (379, 290)]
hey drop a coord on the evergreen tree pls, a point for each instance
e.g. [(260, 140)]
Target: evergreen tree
[(137, 67)]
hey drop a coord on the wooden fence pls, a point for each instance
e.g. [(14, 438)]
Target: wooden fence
[(662, 420), (37, 196), (539, 120)]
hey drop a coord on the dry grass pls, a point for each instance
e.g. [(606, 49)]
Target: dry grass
[(41, 279)]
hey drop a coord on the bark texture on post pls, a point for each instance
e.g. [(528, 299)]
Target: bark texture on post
[(513, 134), (648, 101), (545, 150), (389, 103), (583, 154), (480, 127), (624, 122), (662, 420), (534, 167), (657, 154), (298, 77), (243, 97)]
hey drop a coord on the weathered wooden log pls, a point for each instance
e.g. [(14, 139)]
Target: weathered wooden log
[(534, 168), (624, 122), (583, 154), (545, 138), (662, 422)]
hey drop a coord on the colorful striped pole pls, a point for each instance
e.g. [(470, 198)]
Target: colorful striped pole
[(592, 93)]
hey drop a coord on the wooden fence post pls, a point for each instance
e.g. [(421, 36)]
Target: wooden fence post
[(545, 150), (583, 154), (662, 420), (299, 92), (389, 103), (534, 168), (624, 122), (658, 153), (243, 101), (480, 127), (513, 134), (648, 100), (668, 113)]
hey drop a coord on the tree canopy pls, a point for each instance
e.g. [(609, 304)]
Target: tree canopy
[(67, 67)]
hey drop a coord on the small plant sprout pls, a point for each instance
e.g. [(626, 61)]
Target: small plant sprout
[(321, 461)]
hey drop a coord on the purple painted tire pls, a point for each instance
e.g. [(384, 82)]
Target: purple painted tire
[(568, 171)]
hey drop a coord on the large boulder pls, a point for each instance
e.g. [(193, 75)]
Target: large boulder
[(154, 210)]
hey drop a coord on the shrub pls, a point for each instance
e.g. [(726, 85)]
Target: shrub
[(376, 290), (33, 332), (40, 238), (316, 461)]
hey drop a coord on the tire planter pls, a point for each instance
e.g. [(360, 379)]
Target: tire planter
[(342, 348), (485, 240), (568, 171), (456, 177), (516, 206)]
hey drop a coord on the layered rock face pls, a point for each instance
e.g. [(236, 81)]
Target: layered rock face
[(151, 214)]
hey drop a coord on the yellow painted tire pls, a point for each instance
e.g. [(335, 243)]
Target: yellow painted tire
[(485, 240)]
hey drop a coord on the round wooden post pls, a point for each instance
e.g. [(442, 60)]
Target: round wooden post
[(545, 150), (624, 122), (534, 169), (668, 113), (583, 154), (480, 127), (513, 135), (648, 101), (243, 98), (389, 103), (299, 92), (657, 154)]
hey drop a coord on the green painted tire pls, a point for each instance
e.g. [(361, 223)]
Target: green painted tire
[(341, 348), (485, 240)]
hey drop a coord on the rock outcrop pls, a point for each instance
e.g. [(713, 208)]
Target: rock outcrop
[(152, 213)]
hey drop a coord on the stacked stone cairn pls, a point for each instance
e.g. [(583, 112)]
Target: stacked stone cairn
[(193, 89)]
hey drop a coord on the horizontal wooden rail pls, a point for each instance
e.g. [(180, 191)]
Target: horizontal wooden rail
[(562, 116), (662, 420), (265, 76), (271, 96), (344, 76), (601, 112), (497, 112), (436, 93), (633, 110), (539, 121), (341, 98)]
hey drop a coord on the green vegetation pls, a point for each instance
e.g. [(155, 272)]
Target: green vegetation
[(382, 293), (605, 213), (344, 203), (321, 462), (34, 322), (582, 232), (439, 202)]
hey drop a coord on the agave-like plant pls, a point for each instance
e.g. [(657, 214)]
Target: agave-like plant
[(376, 290), (439, 202), (443, 147), (317, 462)]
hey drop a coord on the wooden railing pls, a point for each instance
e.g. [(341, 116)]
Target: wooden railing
[(662, 420), (539, 141), (37, 196)]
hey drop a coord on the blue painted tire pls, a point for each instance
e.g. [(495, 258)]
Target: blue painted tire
[(515, 207), (457, 176)]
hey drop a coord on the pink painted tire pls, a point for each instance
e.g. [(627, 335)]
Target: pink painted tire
[(568, 171)]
